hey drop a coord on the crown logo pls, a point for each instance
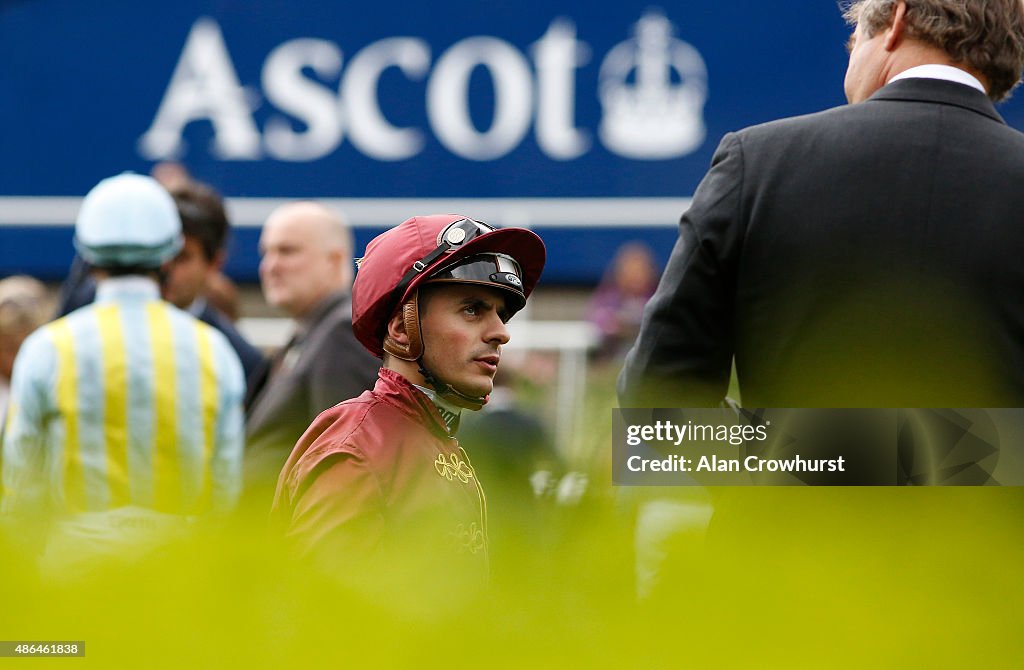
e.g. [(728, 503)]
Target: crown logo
[(653, 88)]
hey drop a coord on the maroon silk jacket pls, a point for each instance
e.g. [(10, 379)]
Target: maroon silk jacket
[(377, 484)]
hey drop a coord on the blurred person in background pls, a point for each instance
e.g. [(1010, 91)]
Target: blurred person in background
[(514, 454), (219, 290), (24, 306), (125, 416), (172, 175), (192, 272), (617, 305), (379, 486), (306, 271), (222, 294), (78, 288)]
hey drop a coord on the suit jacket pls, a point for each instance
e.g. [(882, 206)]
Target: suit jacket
[(320, 368), (865, 256)]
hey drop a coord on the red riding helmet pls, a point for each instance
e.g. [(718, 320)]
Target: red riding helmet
[(437, 248)]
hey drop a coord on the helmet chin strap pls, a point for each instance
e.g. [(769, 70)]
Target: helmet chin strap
[(449, 393)]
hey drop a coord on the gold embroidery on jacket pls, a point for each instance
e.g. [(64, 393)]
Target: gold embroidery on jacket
[(469, 539), (455, 467)]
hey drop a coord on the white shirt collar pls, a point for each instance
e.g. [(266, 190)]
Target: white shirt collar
[(944, 72), (197, 306)]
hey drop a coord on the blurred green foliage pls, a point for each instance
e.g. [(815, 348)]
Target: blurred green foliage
[(783, 577)]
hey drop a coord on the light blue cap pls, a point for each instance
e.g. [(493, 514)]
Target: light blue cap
[(128, 220)]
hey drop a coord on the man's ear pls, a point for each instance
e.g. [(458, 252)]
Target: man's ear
[(217, 264), (895, 32), (397, 330), (403, 338), (337, 257)]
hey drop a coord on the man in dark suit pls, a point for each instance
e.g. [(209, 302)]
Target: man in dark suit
[(306, 270), (865, 256)]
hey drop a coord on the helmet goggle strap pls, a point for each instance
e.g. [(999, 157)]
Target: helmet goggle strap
[(453, 236)]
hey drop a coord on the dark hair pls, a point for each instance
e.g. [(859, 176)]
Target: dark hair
[(202, 216), (987, 36)]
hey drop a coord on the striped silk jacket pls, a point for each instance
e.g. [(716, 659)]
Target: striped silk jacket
[(127, 402)]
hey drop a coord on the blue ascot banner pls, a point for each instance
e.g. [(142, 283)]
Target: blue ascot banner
[(549, 115)]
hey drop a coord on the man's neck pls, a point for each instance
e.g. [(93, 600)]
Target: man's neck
[(307, 319), (410, 370)]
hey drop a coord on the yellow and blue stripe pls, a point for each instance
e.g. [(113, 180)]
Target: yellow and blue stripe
[(126, 402)]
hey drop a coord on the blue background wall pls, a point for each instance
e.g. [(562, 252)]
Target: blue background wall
[(81, 83)]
